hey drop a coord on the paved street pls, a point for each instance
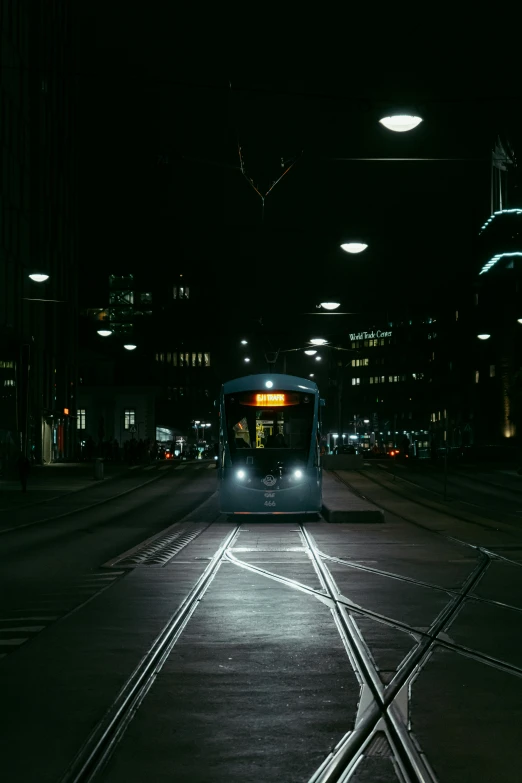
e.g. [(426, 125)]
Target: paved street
[(148, 637)]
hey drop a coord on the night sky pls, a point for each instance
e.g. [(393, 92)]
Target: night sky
[(162, 189)]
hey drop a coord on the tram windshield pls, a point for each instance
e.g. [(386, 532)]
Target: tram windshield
[(276, 420)]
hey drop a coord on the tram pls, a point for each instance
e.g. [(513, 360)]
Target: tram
[(269, 438)]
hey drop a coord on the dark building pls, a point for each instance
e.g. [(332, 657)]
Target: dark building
[(38, 231)]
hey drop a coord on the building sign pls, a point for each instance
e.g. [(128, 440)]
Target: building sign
[(369, 335)]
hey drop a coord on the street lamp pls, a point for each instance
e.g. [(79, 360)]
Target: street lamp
[(400, 123), (38, 277), (247, 359), (130, 347), (318, 341), (353, 247), (104, 332), (483, 336), (244, 342), (310, 352), (330, 305)]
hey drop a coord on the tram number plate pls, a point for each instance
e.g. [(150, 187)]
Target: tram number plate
[(270, 502), (269, 494)]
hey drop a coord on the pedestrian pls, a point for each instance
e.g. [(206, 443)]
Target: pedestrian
[(23, 470)]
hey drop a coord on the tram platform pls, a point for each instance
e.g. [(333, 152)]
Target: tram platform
[(342, 505)]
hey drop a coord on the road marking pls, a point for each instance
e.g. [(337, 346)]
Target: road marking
[(16, 619), (149, 467), (21, 629), (134, 467), (12, 642), (209, 467), (181, 467), (164, 467)]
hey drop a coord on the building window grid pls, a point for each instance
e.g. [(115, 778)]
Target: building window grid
[(130, 418), (81, 420)]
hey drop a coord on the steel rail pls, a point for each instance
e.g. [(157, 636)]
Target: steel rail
[(78, 510), (384, 699), (97, 749)]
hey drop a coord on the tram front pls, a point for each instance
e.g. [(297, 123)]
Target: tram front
[(270, 458)]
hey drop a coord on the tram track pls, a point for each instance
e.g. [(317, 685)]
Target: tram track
[(383, 709), (78, 509), (99, 746)]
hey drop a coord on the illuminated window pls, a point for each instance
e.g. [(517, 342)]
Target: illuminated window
[(491, 370), (130, 418), (456, 315), (476, 376), (194, 359), (383, 378), (353, 345), (206, 358), (162, 357), (175, 292), (9, 382), (200, 360), (169, 358), (80, 419), (356, 381), (182, 360), (6, 364), (157, 357), (187, 360)]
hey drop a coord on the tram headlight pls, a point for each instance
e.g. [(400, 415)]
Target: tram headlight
[(241, 474), (298, 474)]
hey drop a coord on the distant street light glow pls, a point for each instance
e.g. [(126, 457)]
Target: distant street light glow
[(519, 320), (244, 342), (311, 375), (317, 358), (483, 336), (311, 352), (38, 278), (400, 122), (247, 359), (104, 332), (353, 247), (318, 341), (130, 346), (330, 305)]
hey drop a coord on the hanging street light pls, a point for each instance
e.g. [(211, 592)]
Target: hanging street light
[(38, 278), (105, 333), (130, 347), (353, 247), (330, 305), (400, 123), (483, 336), (318, 341), (311, 352)]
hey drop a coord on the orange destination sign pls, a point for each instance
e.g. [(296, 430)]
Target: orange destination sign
[(270, 400)]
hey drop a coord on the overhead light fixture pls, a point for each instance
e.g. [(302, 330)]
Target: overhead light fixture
[(483, 336), (104, 332), (39, 278), (353, 247), (247, 359), (400, 122), (130, 346), (317, 358), (318, 341), (269, 384), (244, 342), (330, 305), (519, 320), (311, 352), (311, 375)]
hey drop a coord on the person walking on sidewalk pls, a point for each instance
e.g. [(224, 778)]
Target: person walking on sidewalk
[(23, 470)]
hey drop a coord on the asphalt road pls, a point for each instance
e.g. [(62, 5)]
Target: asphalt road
[(227, 649)]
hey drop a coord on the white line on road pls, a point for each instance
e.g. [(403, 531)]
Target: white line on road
[(17, 619), (164, 467), (180, 467), (21, 629), (149, 467), (12, 642)]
